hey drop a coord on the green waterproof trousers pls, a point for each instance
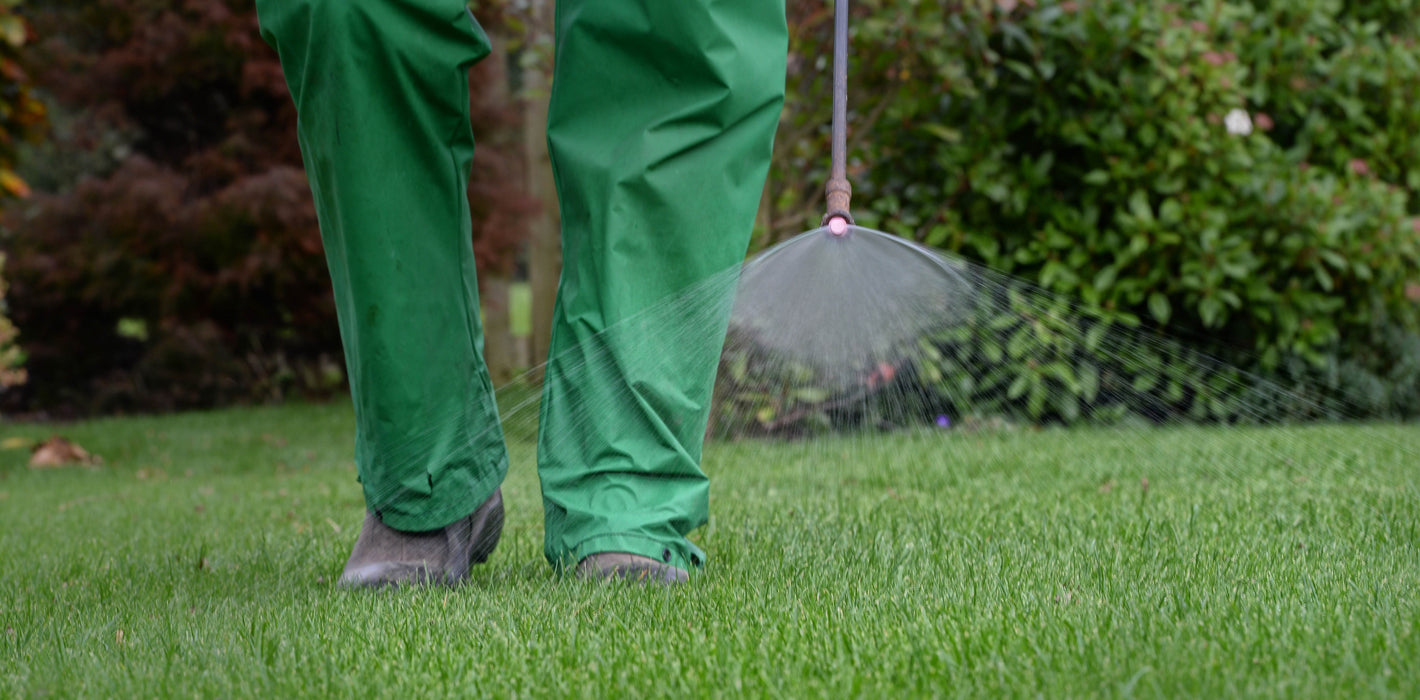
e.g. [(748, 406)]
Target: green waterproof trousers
[(660, 130)]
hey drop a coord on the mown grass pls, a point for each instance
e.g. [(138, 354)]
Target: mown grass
[(199, 560)]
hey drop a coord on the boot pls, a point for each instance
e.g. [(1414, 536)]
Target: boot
[(385, 556), (609, 566)]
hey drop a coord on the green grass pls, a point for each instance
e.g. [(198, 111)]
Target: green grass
[(520, 309), (1278, 562)]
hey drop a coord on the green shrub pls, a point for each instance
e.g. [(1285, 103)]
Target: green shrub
[(1095, 160), (12, 359), (21, 117), (1084, 148)]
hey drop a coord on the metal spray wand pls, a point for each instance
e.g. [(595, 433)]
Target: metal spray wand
[(839, 191)]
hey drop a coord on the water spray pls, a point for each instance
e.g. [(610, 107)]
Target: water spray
[(840, 302)]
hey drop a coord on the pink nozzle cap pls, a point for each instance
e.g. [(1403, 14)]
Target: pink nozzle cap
[(837, 226)]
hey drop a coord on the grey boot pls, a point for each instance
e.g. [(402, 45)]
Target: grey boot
[(385, 556), (634, 568)]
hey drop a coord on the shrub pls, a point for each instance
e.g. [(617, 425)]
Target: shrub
[(1085, 148), (171, 256), (12, 359), (1094, 159), (21, 117)]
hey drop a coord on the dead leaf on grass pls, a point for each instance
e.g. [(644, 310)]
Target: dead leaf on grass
[(16, 443), (57, 452)]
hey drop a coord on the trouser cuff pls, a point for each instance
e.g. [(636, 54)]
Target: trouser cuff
[(452, 498)]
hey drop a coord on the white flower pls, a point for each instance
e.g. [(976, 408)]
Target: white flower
[(1238, 122)]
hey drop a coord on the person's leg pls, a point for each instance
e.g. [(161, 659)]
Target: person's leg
[(381, 95), (660, 129)]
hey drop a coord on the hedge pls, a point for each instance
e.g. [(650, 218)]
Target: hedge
[(1237, 174)]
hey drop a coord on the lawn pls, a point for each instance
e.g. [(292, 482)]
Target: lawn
[(199, 560)]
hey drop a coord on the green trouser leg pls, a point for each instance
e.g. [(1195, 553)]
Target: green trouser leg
[(661, 126), (381, 93)]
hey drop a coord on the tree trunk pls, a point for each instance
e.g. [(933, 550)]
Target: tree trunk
[(499, 349), (544, 236), (499, 346)]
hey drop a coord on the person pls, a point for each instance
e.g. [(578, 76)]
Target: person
[(660, 129)]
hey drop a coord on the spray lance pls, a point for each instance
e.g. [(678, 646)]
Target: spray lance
[(839, 191), (843, 303)]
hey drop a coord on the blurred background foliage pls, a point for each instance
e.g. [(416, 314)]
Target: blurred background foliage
[(169, 258), (22, 118), (1085, 147)]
